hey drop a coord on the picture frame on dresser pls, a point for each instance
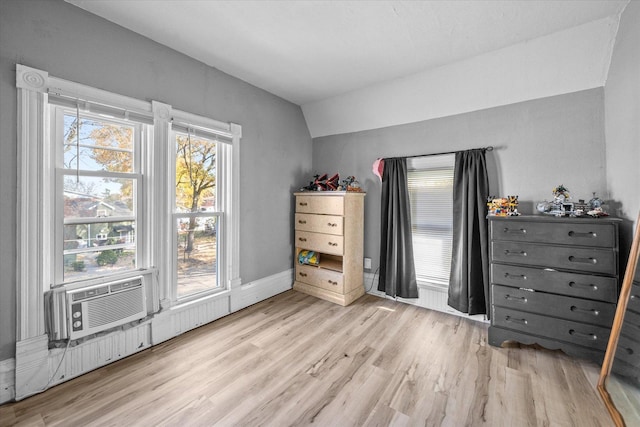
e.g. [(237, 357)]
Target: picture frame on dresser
[(554, 282)]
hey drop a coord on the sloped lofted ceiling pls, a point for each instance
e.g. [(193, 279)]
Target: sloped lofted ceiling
[(310, 51)]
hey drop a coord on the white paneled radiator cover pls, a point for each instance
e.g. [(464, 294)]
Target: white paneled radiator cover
[(80, 312)]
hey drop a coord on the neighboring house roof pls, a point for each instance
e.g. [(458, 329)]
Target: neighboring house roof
[(87, 206)]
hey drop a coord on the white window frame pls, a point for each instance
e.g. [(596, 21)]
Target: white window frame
[(34, 239), (141, 142), (197, 126), (434, 162)]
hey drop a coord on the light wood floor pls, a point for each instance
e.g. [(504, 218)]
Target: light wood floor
[(296, 360)]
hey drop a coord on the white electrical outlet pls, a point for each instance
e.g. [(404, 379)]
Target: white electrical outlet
[(367, 263)]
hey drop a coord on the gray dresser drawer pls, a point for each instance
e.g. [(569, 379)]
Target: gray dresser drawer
[(634, 298), (628, 350), (591, 260), (566, 233), (574, 309), (557, 282), (583, 334)]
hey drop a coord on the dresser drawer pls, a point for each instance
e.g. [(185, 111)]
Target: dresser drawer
[(563, 257), (325, 279), (557, 282), (575, 309), (634, 298), (592, 336), (328, 205), (628, 350), (586, 234), (631, 325), (323, 243), (328, 224)]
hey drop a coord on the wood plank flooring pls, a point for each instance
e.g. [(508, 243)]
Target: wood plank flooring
[(295, 360)]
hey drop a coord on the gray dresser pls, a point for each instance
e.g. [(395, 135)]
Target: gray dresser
[(554, 282)]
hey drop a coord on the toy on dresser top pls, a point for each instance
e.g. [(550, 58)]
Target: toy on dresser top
[(505, 206), (562, 205), (323, 183)]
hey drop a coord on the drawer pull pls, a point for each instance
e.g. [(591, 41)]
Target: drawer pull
[(583, 260), (585, 310), (332, 224), (302, 239), (514, 253), (518, 231), (302, 274), (592, 337), (513, 320), (515, 276), (522, 300), (301, 221), (583, 285), (332, 282), (303, 203), (587, 234), (332, 244)]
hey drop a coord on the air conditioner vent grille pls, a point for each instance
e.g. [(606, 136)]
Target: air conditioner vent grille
[(104, 311)]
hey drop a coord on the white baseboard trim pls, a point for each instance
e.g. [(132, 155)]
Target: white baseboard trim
[(184, 317), (429, 296), (262, 289), (36, 367), (7, 380)]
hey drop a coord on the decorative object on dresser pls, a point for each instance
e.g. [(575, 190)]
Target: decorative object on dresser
[(331, 224), (619, 382), (554, 282)]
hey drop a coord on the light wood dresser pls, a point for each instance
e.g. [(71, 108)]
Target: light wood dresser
[(554, 282), (330, 223)]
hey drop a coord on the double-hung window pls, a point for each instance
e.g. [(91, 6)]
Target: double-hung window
[(113, 188), (98, 194), (197, 210), (430, 182)]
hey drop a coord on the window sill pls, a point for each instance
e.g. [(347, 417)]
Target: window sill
[(442, 287), (199, 298)]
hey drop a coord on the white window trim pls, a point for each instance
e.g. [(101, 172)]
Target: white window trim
[(33, 213), (222, 202)]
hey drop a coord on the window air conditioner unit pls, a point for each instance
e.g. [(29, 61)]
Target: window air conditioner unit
[(101, 307)]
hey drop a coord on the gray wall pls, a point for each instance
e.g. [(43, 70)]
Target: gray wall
[(622, 121), (538, 145), (74, 45)]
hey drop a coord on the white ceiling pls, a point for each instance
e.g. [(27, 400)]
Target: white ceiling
[(307, 51)]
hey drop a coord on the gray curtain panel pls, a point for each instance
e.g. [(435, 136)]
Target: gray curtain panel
[(469, 280), (397, 271)]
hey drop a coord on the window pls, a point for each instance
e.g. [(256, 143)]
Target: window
[(98, 194), (196, 213), (430, 182), (113, 187)]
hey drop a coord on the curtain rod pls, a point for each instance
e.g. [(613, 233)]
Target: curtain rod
[(489, 148)]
